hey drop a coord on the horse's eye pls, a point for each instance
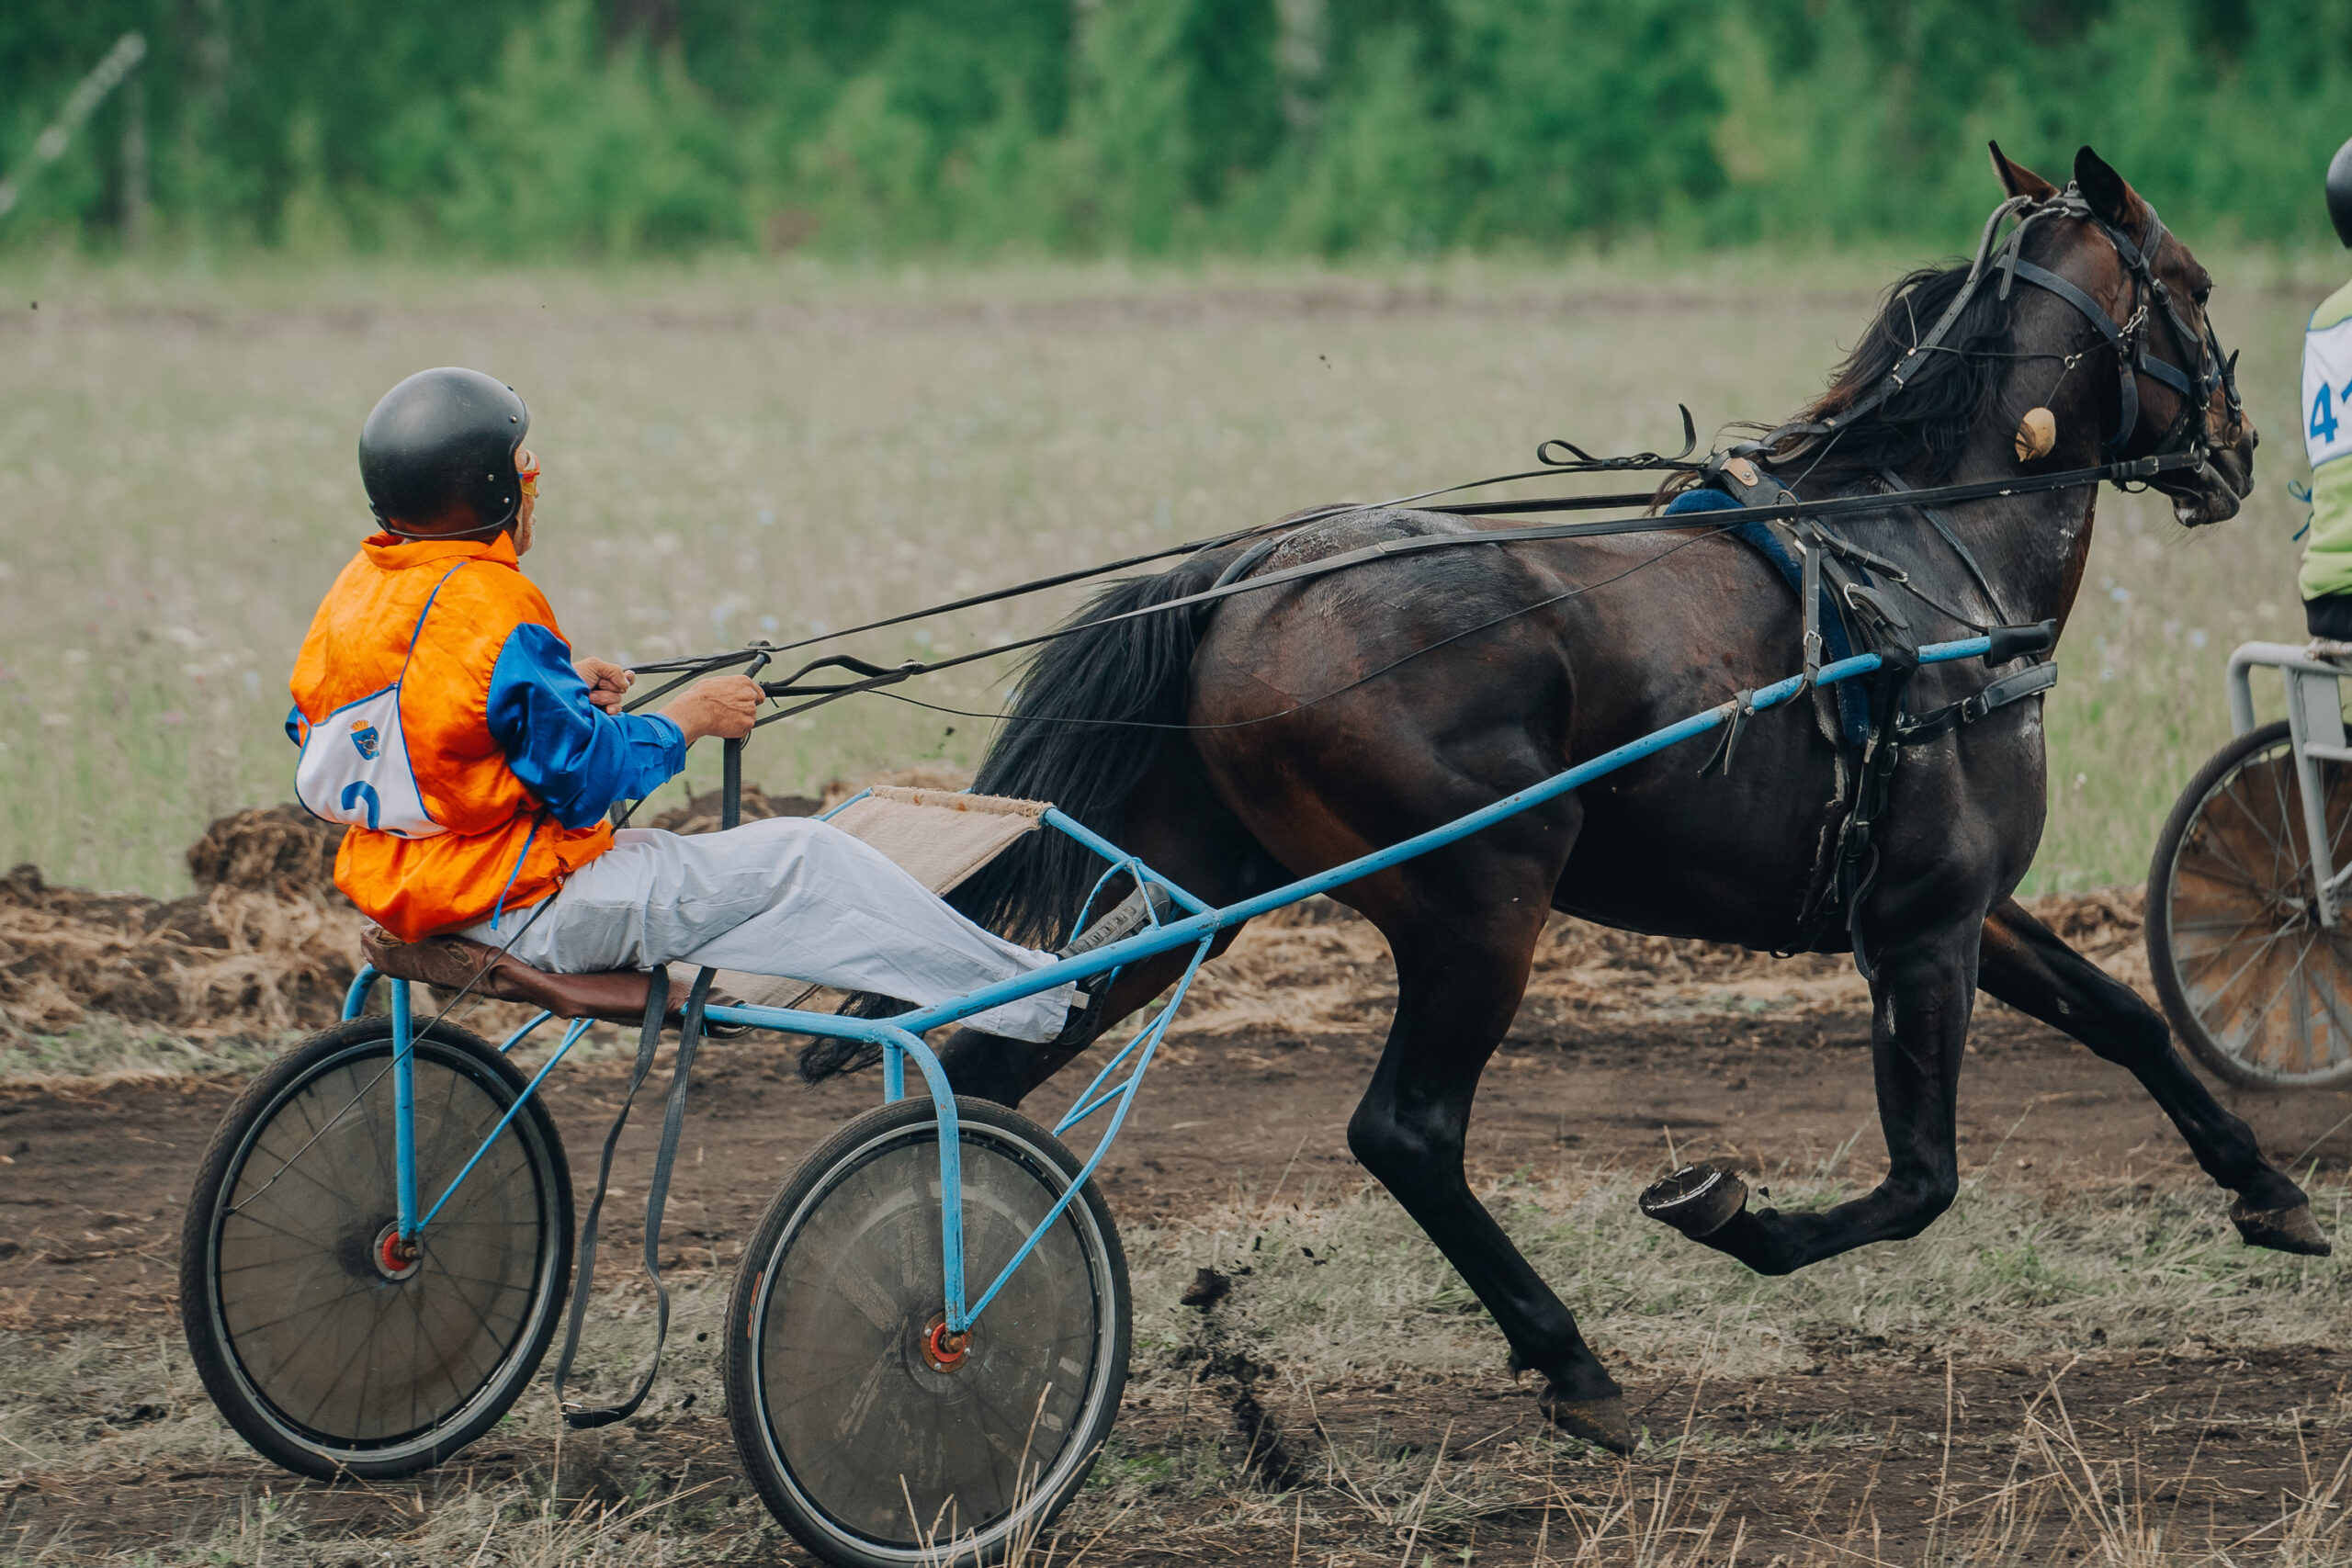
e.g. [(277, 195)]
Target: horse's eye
[(2204, 292)]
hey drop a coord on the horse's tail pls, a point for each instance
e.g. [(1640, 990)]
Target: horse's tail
[(1082, 732), (1086, 724)]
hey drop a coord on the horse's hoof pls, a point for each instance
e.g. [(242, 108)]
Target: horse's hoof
[(1599, 1421), (2282, 1230), (1698, 1199)]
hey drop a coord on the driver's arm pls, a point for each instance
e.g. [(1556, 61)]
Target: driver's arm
[(575, 757)]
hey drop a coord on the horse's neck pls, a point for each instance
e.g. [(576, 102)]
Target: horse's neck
[(2036, 547), (2033, 547)]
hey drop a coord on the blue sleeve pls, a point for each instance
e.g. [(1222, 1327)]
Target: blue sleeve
[(568, 752)]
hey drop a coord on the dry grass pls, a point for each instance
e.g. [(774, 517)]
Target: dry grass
[(745, 450), (1327, 1285)]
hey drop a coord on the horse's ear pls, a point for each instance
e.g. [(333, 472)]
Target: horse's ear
[(2019, 180), (2105, 189)]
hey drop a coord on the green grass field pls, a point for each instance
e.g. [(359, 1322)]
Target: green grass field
[(747, 450)]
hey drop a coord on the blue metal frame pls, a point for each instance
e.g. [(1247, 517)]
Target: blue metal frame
[(901, 1037)]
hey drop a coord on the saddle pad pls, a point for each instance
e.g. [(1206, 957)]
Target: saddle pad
[(1853, 712), (939, 837)]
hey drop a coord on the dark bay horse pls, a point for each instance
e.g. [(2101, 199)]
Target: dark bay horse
[(1285, 731)]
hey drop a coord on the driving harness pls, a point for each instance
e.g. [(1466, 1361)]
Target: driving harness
[(1843, 604)]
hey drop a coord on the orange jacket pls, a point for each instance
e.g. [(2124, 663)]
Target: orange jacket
[(438, 714)]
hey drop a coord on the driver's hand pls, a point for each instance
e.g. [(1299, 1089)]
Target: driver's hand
[(608, 683), (723, 705)]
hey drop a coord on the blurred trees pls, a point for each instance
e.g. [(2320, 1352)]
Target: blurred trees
[(564, 127)]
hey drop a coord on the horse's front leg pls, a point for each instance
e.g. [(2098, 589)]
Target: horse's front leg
[(1920, 1001)]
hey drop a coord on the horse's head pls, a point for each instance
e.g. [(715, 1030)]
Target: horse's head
[(2110, 245)]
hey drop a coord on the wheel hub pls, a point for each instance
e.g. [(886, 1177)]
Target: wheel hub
[(943, 1351), (396, 1257)]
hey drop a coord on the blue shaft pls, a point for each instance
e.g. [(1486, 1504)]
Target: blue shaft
[(403, 1110), (1181, 934)]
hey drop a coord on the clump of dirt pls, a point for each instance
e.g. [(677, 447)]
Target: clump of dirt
[(922, 775), (703, 813), (265, 944)]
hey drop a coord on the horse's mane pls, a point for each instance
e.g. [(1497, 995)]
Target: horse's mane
[(1926, 423)]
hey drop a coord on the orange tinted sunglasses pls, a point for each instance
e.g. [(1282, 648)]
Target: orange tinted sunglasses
[(527, 468)]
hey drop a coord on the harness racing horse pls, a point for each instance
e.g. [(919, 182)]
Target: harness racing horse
[(1284, 731)]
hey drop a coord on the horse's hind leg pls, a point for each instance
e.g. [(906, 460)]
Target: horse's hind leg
[(1461, 970), (2026, 965), (1175, 825)]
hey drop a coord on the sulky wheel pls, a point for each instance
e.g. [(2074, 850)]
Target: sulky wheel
[(871, 1436), (325, 1348), (2256, 986)]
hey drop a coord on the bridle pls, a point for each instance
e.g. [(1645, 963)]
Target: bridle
[(2183, 451), (2134, 356)]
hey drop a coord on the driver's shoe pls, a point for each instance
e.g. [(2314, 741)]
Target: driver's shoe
[(1148, 905)]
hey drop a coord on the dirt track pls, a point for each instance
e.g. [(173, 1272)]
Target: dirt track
[(89, 1207)]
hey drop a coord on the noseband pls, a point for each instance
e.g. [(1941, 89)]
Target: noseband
[(2134, 356)]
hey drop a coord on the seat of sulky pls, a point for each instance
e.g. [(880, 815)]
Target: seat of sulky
[(938, 837)]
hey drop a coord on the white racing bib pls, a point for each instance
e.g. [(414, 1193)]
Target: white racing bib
[(355, 769), (2327, 392)]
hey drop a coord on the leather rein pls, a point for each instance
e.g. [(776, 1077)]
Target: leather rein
[(2182, 450)]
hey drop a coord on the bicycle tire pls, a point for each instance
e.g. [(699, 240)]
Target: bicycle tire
[(326, 1354), (870, 1452), (2254, 986)]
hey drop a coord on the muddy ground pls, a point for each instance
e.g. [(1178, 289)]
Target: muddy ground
[(95, 1172)]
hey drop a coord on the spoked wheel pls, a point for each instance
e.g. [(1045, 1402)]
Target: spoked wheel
[(324, 1343), (875, 1436), (2255, 986)]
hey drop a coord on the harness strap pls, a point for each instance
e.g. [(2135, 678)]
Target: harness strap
[(1248, 560), (2016, 686), (1942, 525), (2127, 419), (657, 1195)]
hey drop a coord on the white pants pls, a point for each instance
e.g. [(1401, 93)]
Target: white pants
[(790, 897)]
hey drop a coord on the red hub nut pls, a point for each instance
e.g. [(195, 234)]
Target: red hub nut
[(943, 1351)]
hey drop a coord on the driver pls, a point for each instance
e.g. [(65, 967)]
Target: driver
[(440, 713), (2326, 575)]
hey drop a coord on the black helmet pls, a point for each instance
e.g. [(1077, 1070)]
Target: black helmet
[(2339, 193), (439, 448)]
